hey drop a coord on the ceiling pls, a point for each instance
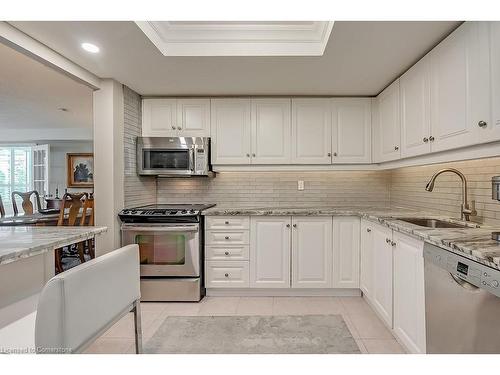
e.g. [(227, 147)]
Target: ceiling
[(31, 95), (361, 58)]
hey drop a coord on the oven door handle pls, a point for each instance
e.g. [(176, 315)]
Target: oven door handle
[(191, 159), (139, 228)]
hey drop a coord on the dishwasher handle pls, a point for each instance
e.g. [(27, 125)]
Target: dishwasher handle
[(463, 283)]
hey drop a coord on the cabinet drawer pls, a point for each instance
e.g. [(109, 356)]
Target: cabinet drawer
[(226, 274), (227, 222), (226, 252), (227, 237)]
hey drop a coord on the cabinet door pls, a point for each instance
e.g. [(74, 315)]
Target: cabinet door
[(366, 260), (270, 252), (311, 131), (409, 303), (416, 109), (387, 125), (492, 131), (351, 130), (458, 102), (346, 252), (159, 118), (193, 117), (271, 131), (230, 129), (382, 273), (311, 252)]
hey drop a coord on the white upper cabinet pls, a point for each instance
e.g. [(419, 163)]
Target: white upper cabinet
[(351, 130), (270, 251), (193, 117), (346, 252), (271, 131), (176, 117), (311, 252), (387, 125), (230, 129), (409, 301), (415, 93), (311, 131), (159, 118), (491, 132), (459, 89)]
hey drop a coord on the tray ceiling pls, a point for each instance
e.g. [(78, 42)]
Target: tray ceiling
[(238, 38)]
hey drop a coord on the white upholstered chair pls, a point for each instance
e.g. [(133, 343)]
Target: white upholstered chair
[(79, 305)]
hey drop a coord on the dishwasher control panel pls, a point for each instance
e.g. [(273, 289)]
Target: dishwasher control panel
[(475, 273)]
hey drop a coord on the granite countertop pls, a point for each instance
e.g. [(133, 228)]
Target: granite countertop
[(17, 242), (473, 241)]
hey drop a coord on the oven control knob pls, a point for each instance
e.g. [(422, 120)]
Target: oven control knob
[(192, 211), (183, 212)]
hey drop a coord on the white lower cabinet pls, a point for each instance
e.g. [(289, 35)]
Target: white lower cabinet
[(226, 274), (366, 259), (270, 251), (311, 252), (409, 301), (382, 273), (346, 252)]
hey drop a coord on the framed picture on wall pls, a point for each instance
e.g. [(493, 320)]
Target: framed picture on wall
[(80, 169)]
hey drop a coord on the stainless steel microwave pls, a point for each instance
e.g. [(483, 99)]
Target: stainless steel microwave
[(173, 156)]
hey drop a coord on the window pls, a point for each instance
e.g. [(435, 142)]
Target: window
[(15, 172)]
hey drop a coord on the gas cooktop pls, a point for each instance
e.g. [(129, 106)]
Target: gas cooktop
[(163, 210)]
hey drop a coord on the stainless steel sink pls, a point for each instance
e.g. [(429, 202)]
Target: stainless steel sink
[(431, 223)]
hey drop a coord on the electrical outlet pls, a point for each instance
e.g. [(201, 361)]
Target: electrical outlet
[(300, 185)]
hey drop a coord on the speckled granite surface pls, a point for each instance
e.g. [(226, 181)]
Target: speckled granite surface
[(473, 242), (23, 242)]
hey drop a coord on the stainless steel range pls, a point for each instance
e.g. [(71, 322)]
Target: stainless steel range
[(170, 239)]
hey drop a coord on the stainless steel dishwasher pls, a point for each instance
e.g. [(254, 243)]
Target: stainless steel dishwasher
[(462, 304)]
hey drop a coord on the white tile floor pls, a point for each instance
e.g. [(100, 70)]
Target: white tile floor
[(369, 332)]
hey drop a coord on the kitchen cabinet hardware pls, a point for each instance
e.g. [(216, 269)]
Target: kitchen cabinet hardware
[(368, 230), (334, 154), (426, 139), (295, 225), (396, 148), (227, 237), (226, 222), (226, 252), (482, 124), (393, 243), (431, 138), (329, 154), (226, 275), (288, 225)]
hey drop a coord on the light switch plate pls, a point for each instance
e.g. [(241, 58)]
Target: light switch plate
[(300, 185)]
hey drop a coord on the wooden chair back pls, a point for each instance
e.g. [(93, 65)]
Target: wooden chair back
[(88, 211), (26, 204), (72, 203), (2, 208)]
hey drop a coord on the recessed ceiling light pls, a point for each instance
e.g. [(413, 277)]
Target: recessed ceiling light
[(89, 47)]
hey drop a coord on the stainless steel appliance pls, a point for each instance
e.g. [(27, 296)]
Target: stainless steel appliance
[(495, 195), (462, 304), (173, 156), (170, 239)]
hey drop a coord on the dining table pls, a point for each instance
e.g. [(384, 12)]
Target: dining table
[(38, 218)]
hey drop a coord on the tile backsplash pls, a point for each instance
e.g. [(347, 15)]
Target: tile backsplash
[(408, 188), (279, 189)]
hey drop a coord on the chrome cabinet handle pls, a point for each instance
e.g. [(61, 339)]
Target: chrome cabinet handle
[(388, 240), (253, 155), (295, 225), (248, 155), (426, 139), (226, 222), (334, 154), (173, 127), (396, 148), (393, 243), (227, 237), (179, 128), (226, 253), (482, 124), (288, 225), (431, 138), (226, 274), (368, 230)]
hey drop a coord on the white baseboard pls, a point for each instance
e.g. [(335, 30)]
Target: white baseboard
[(256, 292)]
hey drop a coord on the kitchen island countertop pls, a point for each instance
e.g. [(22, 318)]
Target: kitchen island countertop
[(18, 242)]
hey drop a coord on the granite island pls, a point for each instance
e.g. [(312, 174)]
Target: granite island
[(27, 263)]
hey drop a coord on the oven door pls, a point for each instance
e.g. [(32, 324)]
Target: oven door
[(165, 249), (166, 161)]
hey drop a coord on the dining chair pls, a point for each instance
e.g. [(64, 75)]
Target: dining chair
[(88, 220), (71, 207), (27, 204), (2, 209)]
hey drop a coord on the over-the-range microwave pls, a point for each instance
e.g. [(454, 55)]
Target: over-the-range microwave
[(173, 156)]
